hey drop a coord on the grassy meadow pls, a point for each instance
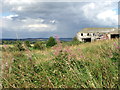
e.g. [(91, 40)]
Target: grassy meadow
[(82, 65)]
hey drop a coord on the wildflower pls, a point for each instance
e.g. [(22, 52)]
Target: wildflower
[(115, 44), (56, 53), (58, 48), (70, 56), (117, 47), (68, 50), (81, 56), (79, 49), (6, 64), (57, 39), (5, 46), (54, 48)]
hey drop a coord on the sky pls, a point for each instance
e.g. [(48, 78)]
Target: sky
[(45, 18)]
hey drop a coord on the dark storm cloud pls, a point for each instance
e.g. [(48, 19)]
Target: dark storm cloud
[(44, 19)]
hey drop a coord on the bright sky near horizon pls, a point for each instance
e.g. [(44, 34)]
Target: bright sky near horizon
[(35, 18)]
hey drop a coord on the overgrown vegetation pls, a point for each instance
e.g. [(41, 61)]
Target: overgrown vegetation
[(82, 65), (27, 43), (72, 43), (19, 46), (39, 45)]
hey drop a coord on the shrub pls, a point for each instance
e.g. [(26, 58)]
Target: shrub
[(75, 39), (19, 46), (51, 42), (27, 43), (38, 45)]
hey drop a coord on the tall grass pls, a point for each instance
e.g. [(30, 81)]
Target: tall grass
[(87, 65)]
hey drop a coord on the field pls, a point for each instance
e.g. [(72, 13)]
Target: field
[(86, 65)]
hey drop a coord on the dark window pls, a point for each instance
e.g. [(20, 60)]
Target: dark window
[(115, 35), (81, 34), (88, 34), (87, 39)]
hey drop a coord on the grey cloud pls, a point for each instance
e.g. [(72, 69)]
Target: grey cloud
[(69, 18)]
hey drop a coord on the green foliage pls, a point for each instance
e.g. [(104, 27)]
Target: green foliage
[(39, 45), (71, 43), (116, 57), (8, 42), (51, 42), (75, 39), (27, 43), (97, 68), (19, 46)]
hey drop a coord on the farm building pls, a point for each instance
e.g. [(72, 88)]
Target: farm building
[(93, 34)]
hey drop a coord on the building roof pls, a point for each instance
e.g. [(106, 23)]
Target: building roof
[(100, 30), (115, 32)]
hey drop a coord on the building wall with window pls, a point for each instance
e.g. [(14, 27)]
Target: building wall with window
[(93, 34), (82, 36)]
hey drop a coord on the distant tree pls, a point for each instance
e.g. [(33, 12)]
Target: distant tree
[(27, 43), (51, 42), (4, 42)]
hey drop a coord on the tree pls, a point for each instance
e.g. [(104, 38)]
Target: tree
[(51, 42)]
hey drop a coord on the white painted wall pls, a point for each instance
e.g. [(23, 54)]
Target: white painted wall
[(85, 35)]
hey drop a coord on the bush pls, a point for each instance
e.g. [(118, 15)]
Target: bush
[(38, 45), (51, 42), (75, 39), (27, 43), (18, 46)]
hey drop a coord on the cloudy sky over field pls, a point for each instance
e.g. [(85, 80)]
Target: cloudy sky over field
[(36, 19)]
